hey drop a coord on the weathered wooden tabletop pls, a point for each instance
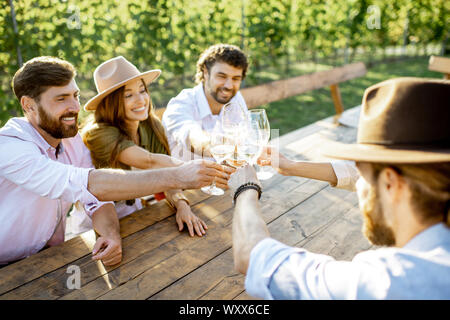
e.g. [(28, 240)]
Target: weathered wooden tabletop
[(159, 262)]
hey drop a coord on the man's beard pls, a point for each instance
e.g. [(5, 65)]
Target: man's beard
[(375, 227), (55, 127), (215, 94)]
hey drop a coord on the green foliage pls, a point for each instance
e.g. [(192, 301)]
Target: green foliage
[(171, 34)]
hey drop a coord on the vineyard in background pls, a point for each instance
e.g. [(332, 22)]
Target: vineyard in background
[(281, 37)]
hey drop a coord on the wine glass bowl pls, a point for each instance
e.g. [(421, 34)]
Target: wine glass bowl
[(220, 148), (260, 117)]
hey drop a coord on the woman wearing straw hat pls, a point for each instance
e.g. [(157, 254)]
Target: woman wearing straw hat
[(125, 133)]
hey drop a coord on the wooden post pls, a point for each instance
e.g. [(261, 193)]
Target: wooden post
[(337, 100), (440, 64)]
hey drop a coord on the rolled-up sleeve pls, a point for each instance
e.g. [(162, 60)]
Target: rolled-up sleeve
[(347, 174), (26, 167)]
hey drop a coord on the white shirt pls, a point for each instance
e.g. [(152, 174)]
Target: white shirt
[(189, 111), (347, 174), (37, 189), (419, 270)]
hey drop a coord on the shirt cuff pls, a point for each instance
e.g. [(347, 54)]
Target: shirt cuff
[(89, 201), (345, 177), (265, 258)]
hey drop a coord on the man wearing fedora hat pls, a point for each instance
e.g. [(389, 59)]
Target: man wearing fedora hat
[(45, 168), (403, 158), (193, 114)]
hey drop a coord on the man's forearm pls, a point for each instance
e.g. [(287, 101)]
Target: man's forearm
[(115, 185), (105, 221), (249, 228)]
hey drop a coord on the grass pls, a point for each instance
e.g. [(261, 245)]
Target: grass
[(298, 111)]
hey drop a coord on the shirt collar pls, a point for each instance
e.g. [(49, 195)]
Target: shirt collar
[(429, 238), (41, 142), (202, 103)]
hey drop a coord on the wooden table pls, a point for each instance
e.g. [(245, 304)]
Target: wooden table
[(159, 262)]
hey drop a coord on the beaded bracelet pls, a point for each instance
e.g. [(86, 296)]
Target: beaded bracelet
[(245, 186)]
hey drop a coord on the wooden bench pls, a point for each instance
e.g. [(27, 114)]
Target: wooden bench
[(440, 64), (282, 89)]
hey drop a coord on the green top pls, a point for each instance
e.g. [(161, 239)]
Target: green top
[(106, 142)]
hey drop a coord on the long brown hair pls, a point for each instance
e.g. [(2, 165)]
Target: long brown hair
[(111, 111)]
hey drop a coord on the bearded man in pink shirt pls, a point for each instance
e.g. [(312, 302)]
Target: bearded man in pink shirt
[(45, 168)]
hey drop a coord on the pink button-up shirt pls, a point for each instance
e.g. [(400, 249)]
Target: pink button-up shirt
[(38, 188)]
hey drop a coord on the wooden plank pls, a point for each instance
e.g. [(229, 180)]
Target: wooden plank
[(219, 280), (33, 267), (157, 278), (440, 64), (281, 89)]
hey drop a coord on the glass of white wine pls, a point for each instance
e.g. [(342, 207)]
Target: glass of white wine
[(248, 146), (220, 148), (234, 120), (260, 116)]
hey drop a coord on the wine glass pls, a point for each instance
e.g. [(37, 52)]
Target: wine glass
[(234, 118), (251, 144), (260, 116), (220, 148)]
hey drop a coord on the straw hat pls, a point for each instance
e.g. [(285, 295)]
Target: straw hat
[(403, 120), (113, 74)]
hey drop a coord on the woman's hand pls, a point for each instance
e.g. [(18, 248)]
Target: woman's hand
[(194, 223), (272, 157)]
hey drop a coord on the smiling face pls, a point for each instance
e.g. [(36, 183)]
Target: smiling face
[(222, 82), (55, 112), (136, 101)]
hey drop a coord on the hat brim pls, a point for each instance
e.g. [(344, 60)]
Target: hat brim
[(148, 78), (384, 154)]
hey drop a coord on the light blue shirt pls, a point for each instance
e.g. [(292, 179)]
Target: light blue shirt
[(419, 270)]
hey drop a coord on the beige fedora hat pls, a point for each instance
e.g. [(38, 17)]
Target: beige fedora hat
[(113, 74), (402, 120)]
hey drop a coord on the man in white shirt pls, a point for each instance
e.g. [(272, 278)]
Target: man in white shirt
[(192, 115), (403, 158), (45, 168)]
